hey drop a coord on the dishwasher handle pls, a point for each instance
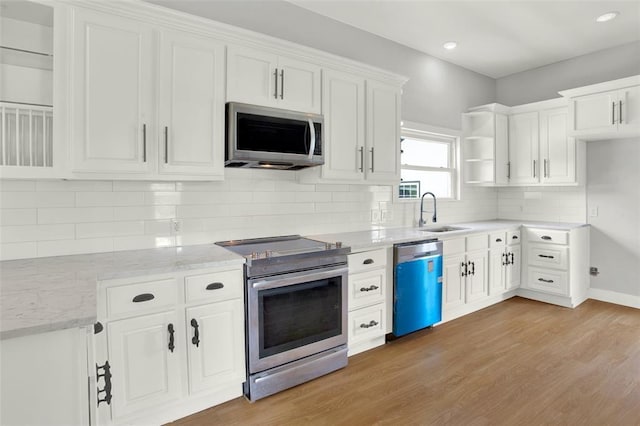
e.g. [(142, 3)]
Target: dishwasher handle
[(418, 256)]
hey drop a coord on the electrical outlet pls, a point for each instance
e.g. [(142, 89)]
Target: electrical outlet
[(176, 226), (386, 216), (375, 216)]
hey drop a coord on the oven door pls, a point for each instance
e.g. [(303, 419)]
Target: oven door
[(291, 316)]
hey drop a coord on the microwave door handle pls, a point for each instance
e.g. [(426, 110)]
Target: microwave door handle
[(312, 131)]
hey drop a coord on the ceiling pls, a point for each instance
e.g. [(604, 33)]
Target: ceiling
[(495, 38)]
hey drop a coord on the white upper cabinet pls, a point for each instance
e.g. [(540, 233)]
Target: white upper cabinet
[(605, 110), (149, 101), (382, 151), (113, 100), (557, 150), (343, 107), (523, 148), (191, 107), (260, 78)]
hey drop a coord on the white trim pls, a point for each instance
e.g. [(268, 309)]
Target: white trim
[(602, 87), (427, 128), (614, 297)]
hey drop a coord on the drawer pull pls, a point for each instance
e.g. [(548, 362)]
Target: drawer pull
[(196, 333), (215, 286), (144, 297), (372, 323), (546, 238), (367, 262), (515, 237), (498, 240), (370, 288), (512, 262), (172, 345), (546, 256), (545, 281)]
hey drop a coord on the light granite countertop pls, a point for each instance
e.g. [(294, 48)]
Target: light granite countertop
[(53, 293), (364, 240)]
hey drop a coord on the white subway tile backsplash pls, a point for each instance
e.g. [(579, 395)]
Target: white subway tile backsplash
[(109, 229), (96, 199), (13, 216), (10, 251), (23, 233), (144, 212), (64, 247), (136, 186), (142, 242), (17, 185), (75, 215), (73, 185), (159, 228)]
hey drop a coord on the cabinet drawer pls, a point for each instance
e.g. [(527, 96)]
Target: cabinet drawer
[(367, 288), (366, 323), (367, 260), (477, 242), (548, 256), (497, 239), (547, 236), (215, 286), (548, 280), (141, 297), (513, 237), (453, 246)]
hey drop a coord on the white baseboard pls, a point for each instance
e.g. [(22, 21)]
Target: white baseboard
[(615, 297)]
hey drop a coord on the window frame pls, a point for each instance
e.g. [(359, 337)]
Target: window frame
[(426, 132)]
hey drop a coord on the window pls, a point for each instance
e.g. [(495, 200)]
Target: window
[(428, 164)]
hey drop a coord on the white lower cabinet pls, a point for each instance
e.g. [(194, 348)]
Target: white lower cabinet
[(556, 265), (174, 345), (145, 366), (217, 356), (479, 270), (367, 319)]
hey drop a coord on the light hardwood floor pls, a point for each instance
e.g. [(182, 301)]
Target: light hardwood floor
[(519, 362)]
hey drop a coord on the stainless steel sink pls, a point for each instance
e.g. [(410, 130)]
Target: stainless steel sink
[(443, 229)]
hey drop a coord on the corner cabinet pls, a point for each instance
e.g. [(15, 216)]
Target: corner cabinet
[(607, 110), (262, 78), (149, 101), (173, 345)]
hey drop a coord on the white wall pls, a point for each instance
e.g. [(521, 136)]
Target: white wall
[(544, 83), (613, 189), (436, 93)]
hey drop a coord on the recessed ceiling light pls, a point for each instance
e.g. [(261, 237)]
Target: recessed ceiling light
[(607, 16), (450, 45)]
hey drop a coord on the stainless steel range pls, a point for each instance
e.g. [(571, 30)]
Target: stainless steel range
[(296, 310)]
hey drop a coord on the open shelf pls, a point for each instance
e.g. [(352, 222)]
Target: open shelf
[(25, 58)]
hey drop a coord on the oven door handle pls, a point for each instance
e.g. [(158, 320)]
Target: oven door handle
[(312, 134), (297, 278)]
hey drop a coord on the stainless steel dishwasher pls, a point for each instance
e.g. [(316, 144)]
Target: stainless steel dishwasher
[(417, 285)]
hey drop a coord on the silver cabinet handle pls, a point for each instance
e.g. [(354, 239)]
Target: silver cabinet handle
[(372, 160), (166, 144), (546, 173), (144, 143), (282, 84), (508, 169), (275, 76), (361, 149), (312, 134), (620, 112), (613, 113), (534, 168)]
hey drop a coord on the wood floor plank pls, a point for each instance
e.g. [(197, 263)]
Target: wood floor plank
[(519, 362)]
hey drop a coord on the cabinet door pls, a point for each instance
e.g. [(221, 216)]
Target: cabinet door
[(343, 109), (593, 114), (218, 358), (497, 268), (146, 372), (523, 147), (251, 76), (299, 85), (629, 111), (191, 105), (514, 267), (382, 151), (113, 104), (477, 276), (453, 283), (558, 151), (501, 141)]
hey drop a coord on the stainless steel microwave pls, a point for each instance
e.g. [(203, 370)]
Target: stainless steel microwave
[(262, 137)]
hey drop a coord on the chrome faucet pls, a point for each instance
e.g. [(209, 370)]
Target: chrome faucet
[(422, 222)]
